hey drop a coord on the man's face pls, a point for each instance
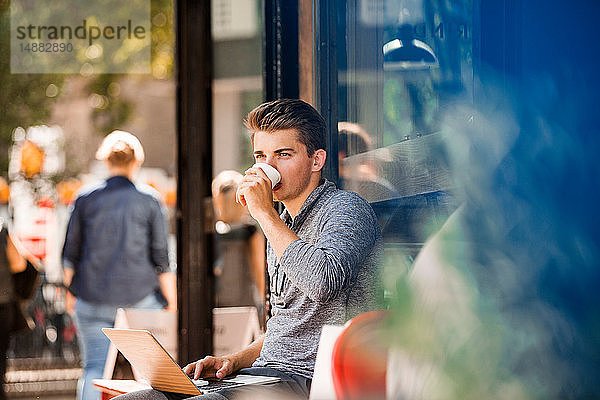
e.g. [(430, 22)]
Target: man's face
[(283, 151)]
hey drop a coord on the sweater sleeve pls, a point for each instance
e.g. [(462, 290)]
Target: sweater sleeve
[(348, 233)]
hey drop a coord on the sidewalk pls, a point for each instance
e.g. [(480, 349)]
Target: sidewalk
[(39, 379)]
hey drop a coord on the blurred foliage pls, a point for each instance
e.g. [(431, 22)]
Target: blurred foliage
[(27, 99), (111, 110), (23, 98), (163, 38), (502, 301), (453, 339)]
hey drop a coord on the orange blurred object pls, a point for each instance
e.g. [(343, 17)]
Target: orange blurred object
[(359, 358), (67, 190), (171, 198), (32, 159), (4, 191)]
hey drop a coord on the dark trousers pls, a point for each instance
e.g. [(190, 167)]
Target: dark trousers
[(7, 313)]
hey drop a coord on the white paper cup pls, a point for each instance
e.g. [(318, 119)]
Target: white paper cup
[(271, 173)]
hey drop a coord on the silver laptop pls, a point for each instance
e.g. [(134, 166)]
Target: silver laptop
[(156, 365)]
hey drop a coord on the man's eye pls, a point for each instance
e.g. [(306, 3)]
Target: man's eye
[(259, 156), (284, 154)]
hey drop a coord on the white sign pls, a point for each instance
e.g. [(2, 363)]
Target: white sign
[(234, 19)]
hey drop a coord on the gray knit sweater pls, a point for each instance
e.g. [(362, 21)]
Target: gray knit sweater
[(327, 276)]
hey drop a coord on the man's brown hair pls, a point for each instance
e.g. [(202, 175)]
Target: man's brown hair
[(286, 114), (121, 155)]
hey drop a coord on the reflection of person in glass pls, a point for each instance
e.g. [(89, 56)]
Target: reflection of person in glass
[(358, 171), (115, 253), (240, 266)]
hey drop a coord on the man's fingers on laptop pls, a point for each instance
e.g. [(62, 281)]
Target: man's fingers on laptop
[(209, 366), (203, 365), (195, 369), (188, 369), (224, 370)]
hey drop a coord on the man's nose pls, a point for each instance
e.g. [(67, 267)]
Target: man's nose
[(271, 160)]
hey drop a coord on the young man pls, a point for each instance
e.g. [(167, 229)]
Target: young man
[(321, 254)]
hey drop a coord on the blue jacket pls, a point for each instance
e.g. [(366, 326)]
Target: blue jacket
[(116, 242)]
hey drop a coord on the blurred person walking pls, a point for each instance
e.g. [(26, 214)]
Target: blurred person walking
[(115, 254)]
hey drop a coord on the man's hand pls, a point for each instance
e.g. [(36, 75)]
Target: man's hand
[(70, 302), (210, 366), (220, 367), (168, 287), (255, 192)]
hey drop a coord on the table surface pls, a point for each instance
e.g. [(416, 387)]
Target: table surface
[(119, 386)]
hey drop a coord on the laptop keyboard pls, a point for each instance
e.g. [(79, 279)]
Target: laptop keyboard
[(215, 385)]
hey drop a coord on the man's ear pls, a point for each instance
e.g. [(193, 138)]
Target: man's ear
[(319, 158)]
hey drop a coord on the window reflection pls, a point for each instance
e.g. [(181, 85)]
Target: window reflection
[(360, 170), (404, 63), (237, 89)]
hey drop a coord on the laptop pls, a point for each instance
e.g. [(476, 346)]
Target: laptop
[(156, 365)]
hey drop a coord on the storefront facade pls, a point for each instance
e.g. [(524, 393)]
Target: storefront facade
[(391, 79)]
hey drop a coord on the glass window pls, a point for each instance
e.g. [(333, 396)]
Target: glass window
[(401, 65), (237, 79), (237, 88), (80, 70)]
